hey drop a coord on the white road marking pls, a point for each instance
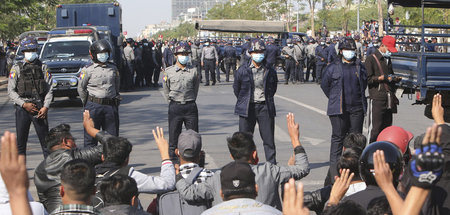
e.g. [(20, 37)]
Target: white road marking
[(317, 110), (312, 141)]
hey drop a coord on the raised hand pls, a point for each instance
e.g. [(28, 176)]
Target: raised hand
[(340, 186), (293, 129), (162, 143), (437, 110), (293, 199)]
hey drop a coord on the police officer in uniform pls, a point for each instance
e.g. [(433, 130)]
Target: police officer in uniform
[(128, 53), (157, 59), (214, 43), (244, 55), (321, 59), (196, 56), (31, 91), (290, 61), (344, 82), (230, 57), (181, 84), (254, 86), (311, 59), (300, 55), (272, 53), (149, 65), (332, 53), (209, 59), (168, 54), (99, 91)]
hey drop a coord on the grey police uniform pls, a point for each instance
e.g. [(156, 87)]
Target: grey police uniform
[(30, 83), (311, 61), (290, 63), (300, 55), (181, 89), (128, 53), (209, 60), (196, 58), (99, 91)]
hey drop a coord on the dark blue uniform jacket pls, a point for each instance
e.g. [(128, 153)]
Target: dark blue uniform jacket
[(333, 87), (243, 88)]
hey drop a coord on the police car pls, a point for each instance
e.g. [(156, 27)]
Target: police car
[(65, 53)]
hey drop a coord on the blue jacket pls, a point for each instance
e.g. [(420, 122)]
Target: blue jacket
[(272, 52), (243, 88), (332, 86), (332, 55), (169, 57), (321, 52)]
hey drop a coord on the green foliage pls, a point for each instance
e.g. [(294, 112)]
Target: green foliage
[(18, 16), (181, 32), (249, 10)]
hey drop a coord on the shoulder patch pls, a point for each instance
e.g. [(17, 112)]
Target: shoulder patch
[(12, 73), (165, 77), (82, 73)]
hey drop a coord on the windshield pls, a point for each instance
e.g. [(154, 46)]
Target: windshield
[(66, 49)]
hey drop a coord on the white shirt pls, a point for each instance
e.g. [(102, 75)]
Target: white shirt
[(242, 206)]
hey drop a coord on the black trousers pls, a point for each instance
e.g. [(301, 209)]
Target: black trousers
[(311, 69), (106, 117), (23, 122), (129, 76), (218, 73), (148, 73), (156, 72), (319, 72), (299, 73), (341, 125), (179, 114), (379, 118), (139, 79), (210, 69), (259, 113), (290, 70), (197, 64), (230, 64)]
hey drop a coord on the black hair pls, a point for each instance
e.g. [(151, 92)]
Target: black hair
[(78, 176), (345, 207), (379, 205), (245, 192), (57, 134), (350, 160), (116, 150), (355, 141), (118, 189), (241, 146)]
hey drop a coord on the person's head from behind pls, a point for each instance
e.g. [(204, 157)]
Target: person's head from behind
[(355, 141), (119, 190), (77, 182), (189, 147), (379, 206), (117, 150), (60, 137), (344, 208), (238, 181), (243, 148), (350, 160), (392, 156)]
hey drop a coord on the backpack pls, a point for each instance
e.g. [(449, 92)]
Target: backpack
[(172, 203), (97, 199)]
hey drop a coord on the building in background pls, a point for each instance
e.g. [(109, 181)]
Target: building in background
[(190, 10)]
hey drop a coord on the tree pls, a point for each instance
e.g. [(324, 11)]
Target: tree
[(380, 17), (312, 6)]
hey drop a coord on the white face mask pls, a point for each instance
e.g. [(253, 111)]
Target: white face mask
[(103, 57), (30, 56), (348, 54)]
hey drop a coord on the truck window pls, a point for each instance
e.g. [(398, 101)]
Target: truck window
[(66, 49)]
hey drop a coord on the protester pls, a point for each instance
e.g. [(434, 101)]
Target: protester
[(239, 191), (121, 196), (77, 188), (268, 176)]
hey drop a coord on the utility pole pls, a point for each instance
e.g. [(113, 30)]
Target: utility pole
[(297, 21)]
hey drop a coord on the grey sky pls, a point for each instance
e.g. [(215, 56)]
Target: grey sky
[(136, 14)]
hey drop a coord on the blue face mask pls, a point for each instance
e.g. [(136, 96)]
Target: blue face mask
[(183, 59), (30, 56), (348, 54), (258, 58), (103, 57), (206, 44)]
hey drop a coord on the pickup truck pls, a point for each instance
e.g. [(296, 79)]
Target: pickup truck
[(65, 53), (423, 73)]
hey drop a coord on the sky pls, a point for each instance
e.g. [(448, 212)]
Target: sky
[(136, 14)]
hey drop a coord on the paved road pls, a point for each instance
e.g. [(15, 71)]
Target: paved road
[(143, 110)]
